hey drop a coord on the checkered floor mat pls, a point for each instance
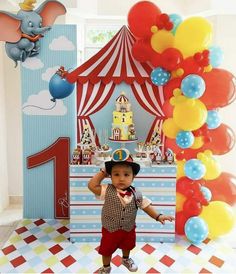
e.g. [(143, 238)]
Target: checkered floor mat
[(43, 246)]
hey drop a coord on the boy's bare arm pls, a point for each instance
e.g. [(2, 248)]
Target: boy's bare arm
[(150, 210), (94, 183)]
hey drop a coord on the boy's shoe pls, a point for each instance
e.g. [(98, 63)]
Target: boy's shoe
[(104, 270), (130, 264)]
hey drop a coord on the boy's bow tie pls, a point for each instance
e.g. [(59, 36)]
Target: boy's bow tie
[(127, 193)]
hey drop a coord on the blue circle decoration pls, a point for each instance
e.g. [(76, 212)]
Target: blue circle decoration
[(59, 87), (194, 169), (193, 86), (213, 119), (196, 230), (206, 193), (176, 20), (184, 139), (121, 154), (216, 56), (160, 76)]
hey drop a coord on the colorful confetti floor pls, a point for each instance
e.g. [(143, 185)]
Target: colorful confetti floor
[(43, 246)]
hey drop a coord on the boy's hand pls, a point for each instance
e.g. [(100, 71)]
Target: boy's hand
[(163, 218), (103, 170)]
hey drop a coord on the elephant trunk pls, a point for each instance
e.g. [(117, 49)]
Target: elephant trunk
[(41, 30)]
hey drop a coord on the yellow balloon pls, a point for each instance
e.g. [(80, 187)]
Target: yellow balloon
[(213, 168), (180, 169), (170, 129), (180, 199), (198, 142), (190, 114), (193, 35), (161, 40), (219, 217)]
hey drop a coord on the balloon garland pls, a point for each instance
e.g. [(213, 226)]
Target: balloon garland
[(186, 65)]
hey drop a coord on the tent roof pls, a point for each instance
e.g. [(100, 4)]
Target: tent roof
[(114, 62)]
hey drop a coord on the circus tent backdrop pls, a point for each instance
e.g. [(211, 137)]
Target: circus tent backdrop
[(113, 64)]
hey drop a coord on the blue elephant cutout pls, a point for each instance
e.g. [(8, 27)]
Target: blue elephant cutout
[(23, 30)]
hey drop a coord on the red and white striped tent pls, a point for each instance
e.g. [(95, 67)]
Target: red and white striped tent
[(113, 64)]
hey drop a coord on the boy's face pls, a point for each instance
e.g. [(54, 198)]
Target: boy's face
[(122, 176)]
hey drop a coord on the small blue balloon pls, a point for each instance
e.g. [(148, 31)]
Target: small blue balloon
[(184, 139), (160, 76), (59, 87), (213, 119), (216, 56), (196, 230), (193, 86), (194, 169), (206, 193), (176, 20)]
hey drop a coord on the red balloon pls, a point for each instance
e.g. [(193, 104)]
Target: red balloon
[(156, 59), (183, 185), (223, 188), (192, 208), (167, 109), (180, 220), (171, 58), (222, 140), (170, 86), (141, 17), (190, 66), (220, 88), (171, 143), (191, 189), (142, 50)]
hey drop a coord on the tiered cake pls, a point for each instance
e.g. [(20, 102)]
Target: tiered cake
[(123, 126)]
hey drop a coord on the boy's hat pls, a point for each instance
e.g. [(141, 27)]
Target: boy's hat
[(122, 156)]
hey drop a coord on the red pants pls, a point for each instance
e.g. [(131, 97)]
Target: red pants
[(119, 239)]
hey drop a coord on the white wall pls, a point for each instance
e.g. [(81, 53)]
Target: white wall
[(3, 140), (14, 126)]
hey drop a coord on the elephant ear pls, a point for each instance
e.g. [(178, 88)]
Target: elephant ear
[(10, 30), (49, 11)]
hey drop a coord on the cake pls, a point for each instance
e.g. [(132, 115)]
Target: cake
[(123, 126)]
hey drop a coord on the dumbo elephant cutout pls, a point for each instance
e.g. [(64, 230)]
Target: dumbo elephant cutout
[(22, 31)]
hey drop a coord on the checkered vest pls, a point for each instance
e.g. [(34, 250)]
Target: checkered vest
[(114, 215)]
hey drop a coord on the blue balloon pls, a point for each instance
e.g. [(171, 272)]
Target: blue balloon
[(194, 169), (206, 193), (196, 230), (160, 76), (176, 20), (193, 86), (213, 119), (184, 139), (216, 56), (59, 87)]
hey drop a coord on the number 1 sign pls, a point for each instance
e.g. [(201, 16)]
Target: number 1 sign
[(59, 153)]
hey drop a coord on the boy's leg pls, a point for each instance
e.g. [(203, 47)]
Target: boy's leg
[(125, 253), (128, 262), (106, 260), (106, 268)]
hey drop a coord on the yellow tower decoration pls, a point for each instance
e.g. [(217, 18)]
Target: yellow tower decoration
[(122, 126)]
